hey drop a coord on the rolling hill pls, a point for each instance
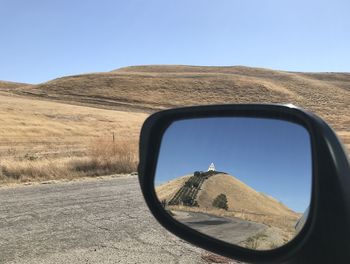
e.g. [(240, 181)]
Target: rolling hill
[(193, 200), (194, 195), (240, 197), (5, 85), (151, 88), (62, 118)]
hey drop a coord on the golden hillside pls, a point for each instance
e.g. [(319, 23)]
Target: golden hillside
[(4, 85), (240, 197), (42, 139), (167, 190), (60, 118), (149, 88), (44, 121)]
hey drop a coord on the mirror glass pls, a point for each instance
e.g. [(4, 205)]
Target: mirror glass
[(246, 181)]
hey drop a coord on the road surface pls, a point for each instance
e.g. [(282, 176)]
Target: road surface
[(87, 221), (232, 230)]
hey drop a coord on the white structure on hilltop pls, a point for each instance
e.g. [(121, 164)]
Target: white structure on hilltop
[(211, 167)]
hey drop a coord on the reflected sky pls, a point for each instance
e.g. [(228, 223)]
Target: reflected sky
[(271, 156)]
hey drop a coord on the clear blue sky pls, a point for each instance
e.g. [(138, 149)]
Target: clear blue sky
[(41, 39), (271, 156)]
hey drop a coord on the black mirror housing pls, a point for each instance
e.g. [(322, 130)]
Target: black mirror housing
[(326, 233)]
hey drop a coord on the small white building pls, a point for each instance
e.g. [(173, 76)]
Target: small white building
[(211, 167)]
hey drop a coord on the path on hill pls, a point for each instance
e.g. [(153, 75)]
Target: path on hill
[(233, 230), (89, 221)]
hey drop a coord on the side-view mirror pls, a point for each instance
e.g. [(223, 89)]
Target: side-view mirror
[(257, 183)]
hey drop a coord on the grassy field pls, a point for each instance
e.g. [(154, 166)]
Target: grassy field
[(150, 88), (42, 140), (62, 119)]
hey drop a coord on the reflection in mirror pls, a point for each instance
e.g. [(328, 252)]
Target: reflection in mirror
[(246, 181)]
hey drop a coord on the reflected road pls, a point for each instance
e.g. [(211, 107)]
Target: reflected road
[(233, 230)]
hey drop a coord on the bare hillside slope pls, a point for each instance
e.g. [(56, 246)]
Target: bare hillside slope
[(5, 85), (150, 88), (240, 197)]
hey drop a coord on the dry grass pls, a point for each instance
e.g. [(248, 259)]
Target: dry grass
[(254, 242), (4, 85), (26, 120), (49, 129), (211, 258), (108, 158), (167, 190), (42, 140), (243, 201), (104, 158), (50, 121), (149, 88), (240, 197), (28, 170), (162, 86)]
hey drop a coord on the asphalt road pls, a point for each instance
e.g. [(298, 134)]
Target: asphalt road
[(232, 230), (89, 221)]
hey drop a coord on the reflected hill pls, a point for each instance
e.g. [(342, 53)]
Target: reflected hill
[(197, 192)]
